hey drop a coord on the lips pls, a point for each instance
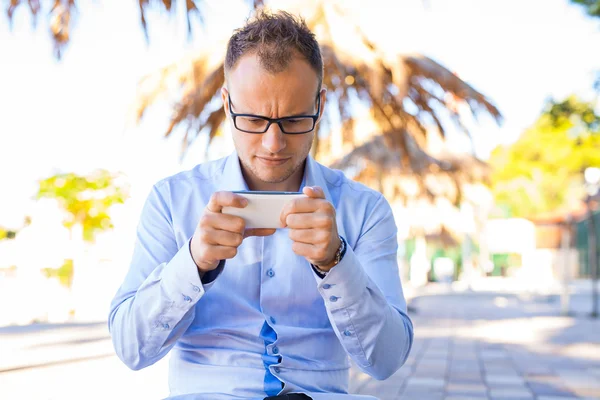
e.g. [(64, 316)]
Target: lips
[(272, 160)]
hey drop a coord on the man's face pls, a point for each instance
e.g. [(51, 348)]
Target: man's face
[(272, 160)]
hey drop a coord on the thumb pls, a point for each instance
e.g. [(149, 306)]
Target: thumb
[(314, 191)]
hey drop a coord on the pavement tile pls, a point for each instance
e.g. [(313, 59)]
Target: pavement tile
[(535, 370), (494, 354), (586, 392), (464, 364), (512, 398), (465, 369), (511, 387), (473, 393), (465, 375), (436, 383), (472, 381), (497, 394), (433, 364), (549, 389), (501, 371), (465, 386), (465, 397), (594, 371), (427, 374), (504, 379), (557, 398), (586, 381), (419, 396)]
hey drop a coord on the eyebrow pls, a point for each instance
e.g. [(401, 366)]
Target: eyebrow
[(306, 113)]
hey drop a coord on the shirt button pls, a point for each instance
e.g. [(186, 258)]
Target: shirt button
[(187, 298), (275, 349), (347, 333), (333, 299), (165, 326), (277, 370), (326, 286), (272, 320), (270, 273), (196, 289)]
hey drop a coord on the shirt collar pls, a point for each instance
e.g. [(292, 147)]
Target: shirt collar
[(313, 176), (232, 178)]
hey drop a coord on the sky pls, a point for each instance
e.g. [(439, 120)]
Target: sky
[(75, 115)]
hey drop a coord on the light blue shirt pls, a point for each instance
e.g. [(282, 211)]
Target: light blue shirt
[(266, 324)]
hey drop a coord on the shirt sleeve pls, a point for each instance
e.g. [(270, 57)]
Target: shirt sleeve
[(155, 304), (364, 300)]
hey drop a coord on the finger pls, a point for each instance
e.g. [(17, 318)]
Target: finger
[(310, 236), (223, 222), (305, 250), (218, 200), (297, 206), (308, 221), (221, 237), (210, 254), (222, 252), (315, 192), (258, 232), (314, 254)]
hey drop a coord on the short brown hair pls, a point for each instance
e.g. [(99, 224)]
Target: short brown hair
[(275, 37)]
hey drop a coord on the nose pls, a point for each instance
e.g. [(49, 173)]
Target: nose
[(273, 139)]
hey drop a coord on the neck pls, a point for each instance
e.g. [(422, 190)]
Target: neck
[(291, 184)]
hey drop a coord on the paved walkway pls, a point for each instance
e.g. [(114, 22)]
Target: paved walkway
[(494, 346), (468, 346)]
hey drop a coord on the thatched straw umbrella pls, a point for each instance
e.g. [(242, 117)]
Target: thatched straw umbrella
[(404, 93), (377, 164), (384, 85)]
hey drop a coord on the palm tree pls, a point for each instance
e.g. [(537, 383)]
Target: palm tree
[(63, 13), (385, 84)]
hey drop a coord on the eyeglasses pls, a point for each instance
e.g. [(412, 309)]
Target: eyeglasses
[(293, 125)]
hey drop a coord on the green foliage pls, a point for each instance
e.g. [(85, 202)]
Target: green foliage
[(85, 199), (543, 170), (592, 7), (7, 234), (64, 273)]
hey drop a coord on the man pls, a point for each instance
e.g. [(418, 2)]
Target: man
[(258, 313)]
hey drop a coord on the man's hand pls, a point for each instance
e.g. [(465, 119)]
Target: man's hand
[(218, 235), (312, 228)]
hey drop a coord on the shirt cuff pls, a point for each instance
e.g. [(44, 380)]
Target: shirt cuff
[(344, 284), (209, 277), (181, 279), (317, 273)]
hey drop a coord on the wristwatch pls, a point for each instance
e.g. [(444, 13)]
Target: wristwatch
[(338, 257)]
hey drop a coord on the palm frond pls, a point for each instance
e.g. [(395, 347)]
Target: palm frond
[(409, 97), (62, 15)]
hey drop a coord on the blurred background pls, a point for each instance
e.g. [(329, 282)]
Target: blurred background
[(478, 120)]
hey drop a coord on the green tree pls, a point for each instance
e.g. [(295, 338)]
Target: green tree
[(7, 233), (543, 170), (86, 200), (592, 7)]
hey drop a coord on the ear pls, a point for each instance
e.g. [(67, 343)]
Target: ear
[(323, 96), (225, 99)]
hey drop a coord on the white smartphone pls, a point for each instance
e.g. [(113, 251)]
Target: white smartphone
[(264, 208)]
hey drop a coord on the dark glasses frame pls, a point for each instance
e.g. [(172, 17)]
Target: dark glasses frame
[(278, 121)]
